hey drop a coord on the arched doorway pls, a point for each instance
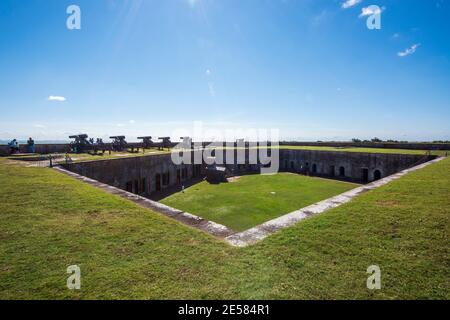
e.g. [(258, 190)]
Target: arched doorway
[(376, 175), (129, 186), (342, 171), (332, 169), (314, 168)]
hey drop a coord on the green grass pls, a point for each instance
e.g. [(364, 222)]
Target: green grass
[(80, 157), (367, 150), (248, 201), (50, 221), (115, 155)]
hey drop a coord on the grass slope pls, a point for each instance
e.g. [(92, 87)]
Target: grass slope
[(248, 201), (366, 150), (49, 221), (81, 157)]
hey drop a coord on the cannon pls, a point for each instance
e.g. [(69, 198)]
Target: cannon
[(146, 142), (119, 143), (216, 174), (99, 145), (80, 143), (166, 143)]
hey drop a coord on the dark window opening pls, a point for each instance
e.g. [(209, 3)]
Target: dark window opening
[(332, 170), (158, 182), (166, 178), (197, 170), (377, 175), (136, 186), (314, 168), (365, 175), (129, 186), (342, 171), (143, 186)]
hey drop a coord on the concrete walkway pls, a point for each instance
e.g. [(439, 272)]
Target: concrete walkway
[(254, 234)]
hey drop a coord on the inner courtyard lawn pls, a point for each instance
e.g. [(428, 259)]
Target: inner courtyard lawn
[(253, 199)]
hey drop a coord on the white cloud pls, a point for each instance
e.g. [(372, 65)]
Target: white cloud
[(132, 121), (350, 3), (409, 50), (56, 98), (371, 10), (208, 72), (41, 126)]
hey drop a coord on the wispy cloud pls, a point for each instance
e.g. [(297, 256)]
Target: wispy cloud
[(371, 10), (409, 50), (350, 3), (41, 126), (56, 98)]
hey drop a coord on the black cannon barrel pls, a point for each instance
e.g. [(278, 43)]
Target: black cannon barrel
[(80, 136)]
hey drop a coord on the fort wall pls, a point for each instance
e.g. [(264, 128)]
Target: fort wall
[(151, 174), (62, 148), (352, 166), (141, 175)]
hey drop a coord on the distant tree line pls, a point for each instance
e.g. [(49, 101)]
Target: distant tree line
[(378, 140)]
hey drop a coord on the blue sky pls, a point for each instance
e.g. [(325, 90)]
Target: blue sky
[(310, 68)]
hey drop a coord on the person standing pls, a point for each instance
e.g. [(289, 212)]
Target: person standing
[(30, 146)]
